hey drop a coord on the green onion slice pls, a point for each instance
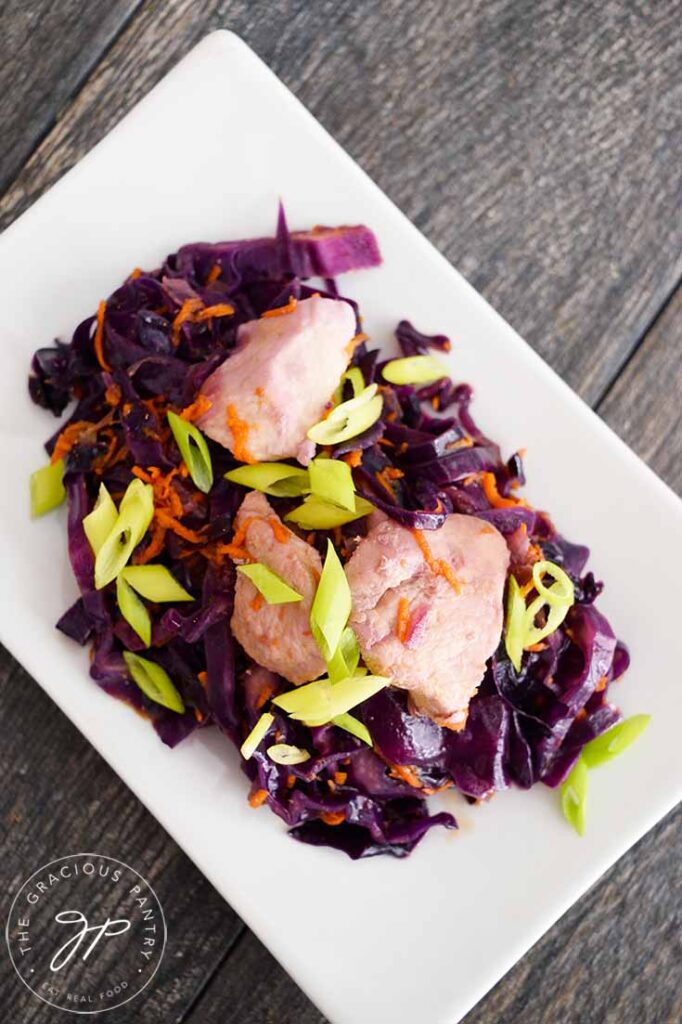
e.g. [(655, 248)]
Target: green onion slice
[(331, 606), (354, 726), (284, 753), (257, 735), (414, 370), (357, 381), (574, 795), (332, 480), (133, 611), (273, 588), (561, 591), (154, 682), (349, 419), (156, 583), (515, 625), (99, 523), (317, 514), (613, 742), (194, 451), (344, 661), (340, 697), (134, 516), (47, 488), (276, 478)]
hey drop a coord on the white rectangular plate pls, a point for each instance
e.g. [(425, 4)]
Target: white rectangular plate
[(421, 939)]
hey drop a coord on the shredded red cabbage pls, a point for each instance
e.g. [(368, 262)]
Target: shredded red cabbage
[(522, 727)]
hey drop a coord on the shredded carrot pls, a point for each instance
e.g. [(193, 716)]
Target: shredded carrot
[(488, 529), (356, 340), (257, 602), (291, 781), (432, 790), (601, 685), (406, 773), (199, 715), (265, 694), (259, 392), (214, 273), (403, 622), (381, 477), (340, 778), (196, 409), (463, 442), (220, 309), (134, 274), (155, 546), (437, 565), (112, 395), (435, 402), (203, 679), (353, 458), (258, 797), (333, 817), (229, 549), (187, 311), (171, 523), (489, 484), (280, 532), (240, 533), (98, 343), (536, 648), (393, 473), (281, 310), (69, 437), (240, 431)]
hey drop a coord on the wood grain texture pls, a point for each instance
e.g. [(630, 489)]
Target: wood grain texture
[(59, 797), (48, 50), (536, 144)]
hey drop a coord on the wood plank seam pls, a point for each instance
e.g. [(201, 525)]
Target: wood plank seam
[(211, 974)]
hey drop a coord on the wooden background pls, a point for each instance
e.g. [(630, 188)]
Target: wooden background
[(538, 144)]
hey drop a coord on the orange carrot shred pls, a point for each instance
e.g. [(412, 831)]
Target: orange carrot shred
[(258, 797), (98, 343), (437, 565), (340, 778), (353, 458), (356, 340), (214, 273), (403, 622), (220, 309), (489, 484), (196, 409), (187, 311), (112, 395), (406, 773), (240, 431), (134, 274), (281, 310), (265, 694), (68, 438), (257, 602), (333, 817), (203, 678)]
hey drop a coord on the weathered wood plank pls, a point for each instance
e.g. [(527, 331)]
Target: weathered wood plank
[(59, 797), (48, 51), (534, 142)]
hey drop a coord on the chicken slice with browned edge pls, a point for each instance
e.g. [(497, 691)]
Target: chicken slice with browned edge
[(276, 636), (428, 609), (266, 396)]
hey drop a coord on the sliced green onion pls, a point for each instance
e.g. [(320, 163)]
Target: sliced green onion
[(331, 606), (317, 514), (312, 695), (47, 488), (194, 451), (561, 591), (574, 795), (341, 697), (344, 661), (273, 588), (276, 478), (515, 625), (156, 583), (349, 419), (354, 726), (557, 614), (332, 480), (154, 682), (613, 742), (357, 381), (284, 753), (134, 516), (99, 523), (257, 735), (133, 611), (414, 370)]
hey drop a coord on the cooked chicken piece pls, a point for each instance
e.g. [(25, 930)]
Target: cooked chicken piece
[(266, 396), (428, 609), (276, 636)]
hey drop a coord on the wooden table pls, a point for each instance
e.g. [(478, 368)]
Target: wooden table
[(538, 145)]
